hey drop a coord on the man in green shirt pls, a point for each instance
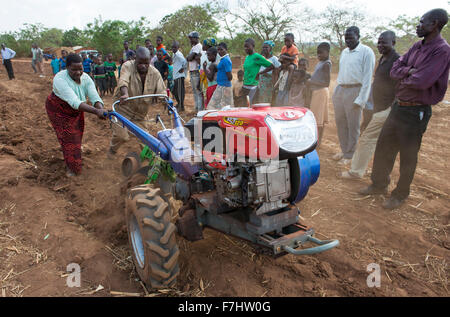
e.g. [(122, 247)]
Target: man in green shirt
[(252, 67)]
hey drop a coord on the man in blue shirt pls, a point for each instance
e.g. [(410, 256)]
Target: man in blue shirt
[(223, 95)]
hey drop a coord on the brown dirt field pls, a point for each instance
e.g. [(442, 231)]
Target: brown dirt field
[(48, 221)]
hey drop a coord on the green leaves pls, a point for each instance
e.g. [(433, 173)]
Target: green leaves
[(177, 26)]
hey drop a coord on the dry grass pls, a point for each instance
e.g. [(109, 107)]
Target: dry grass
[(12, 247), (122, 257)]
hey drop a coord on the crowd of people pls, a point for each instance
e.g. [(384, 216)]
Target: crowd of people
[(392, 111)]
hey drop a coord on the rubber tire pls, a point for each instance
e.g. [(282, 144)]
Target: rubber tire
[(152, 211)]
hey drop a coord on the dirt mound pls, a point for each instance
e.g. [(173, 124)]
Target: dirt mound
[(48, 221)]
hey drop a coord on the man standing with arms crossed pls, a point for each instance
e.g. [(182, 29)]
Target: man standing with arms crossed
[(350, 96), (423, 78)]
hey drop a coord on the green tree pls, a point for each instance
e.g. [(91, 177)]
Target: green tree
[(334, 21), (236, 45), (9, 40), (51, 38), (178, 25), (266, 19), (405, 29), (136, 32), (75, 37), (108, 36), (27, 35)]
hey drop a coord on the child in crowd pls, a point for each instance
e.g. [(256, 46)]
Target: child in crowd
[(299, 95), (290, 49), (318, 85), (161, 65), (87, 64), (100, 76), (62, 60), (160, 47), (110, 68), (238, 96), (55, 64), (211, 73), (284, 82)]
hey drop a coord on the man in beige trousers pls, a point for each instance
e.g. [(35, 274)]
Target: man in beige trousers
[(137, 77), (383, 93)]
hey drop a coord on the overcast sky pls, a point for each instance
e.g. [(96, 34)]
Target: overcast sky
[(67, 14)]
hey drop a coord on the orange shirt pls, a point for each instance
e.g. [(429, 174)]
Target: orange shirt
[(293, 51)]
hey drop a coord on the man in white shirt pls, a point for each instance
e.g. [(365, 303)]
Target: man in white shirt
[(356, 67), (179, 74), (7, 54), (194, 69)]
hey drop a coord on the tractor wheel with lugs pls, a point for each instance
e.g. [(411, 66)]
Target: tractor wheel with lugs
[(152, 236)]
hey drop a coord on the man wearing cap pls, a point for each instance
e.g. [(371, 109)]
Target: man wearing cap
[(194, 69)]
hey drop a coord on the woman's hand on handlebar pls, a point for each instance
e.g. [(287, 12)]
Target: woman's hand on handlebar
[(101, 113)]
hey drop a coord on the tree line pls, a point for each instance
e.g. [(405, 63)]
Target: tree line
[(261, 20)]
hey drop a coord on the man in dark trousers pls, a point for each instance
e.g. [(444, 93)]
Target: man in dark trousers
[(423, 77), (7, 54), (179, 75)]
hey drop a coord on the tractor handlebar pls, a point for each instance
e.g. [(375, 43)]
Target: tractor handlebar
[(140, 97)]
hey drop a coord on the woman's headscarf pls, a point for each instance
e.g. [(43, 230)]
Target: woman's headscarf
[(270, 43), (210, 42)]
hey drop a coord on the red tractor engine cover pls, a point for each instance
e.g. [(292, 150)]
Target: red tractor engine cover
[(246, 131)]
